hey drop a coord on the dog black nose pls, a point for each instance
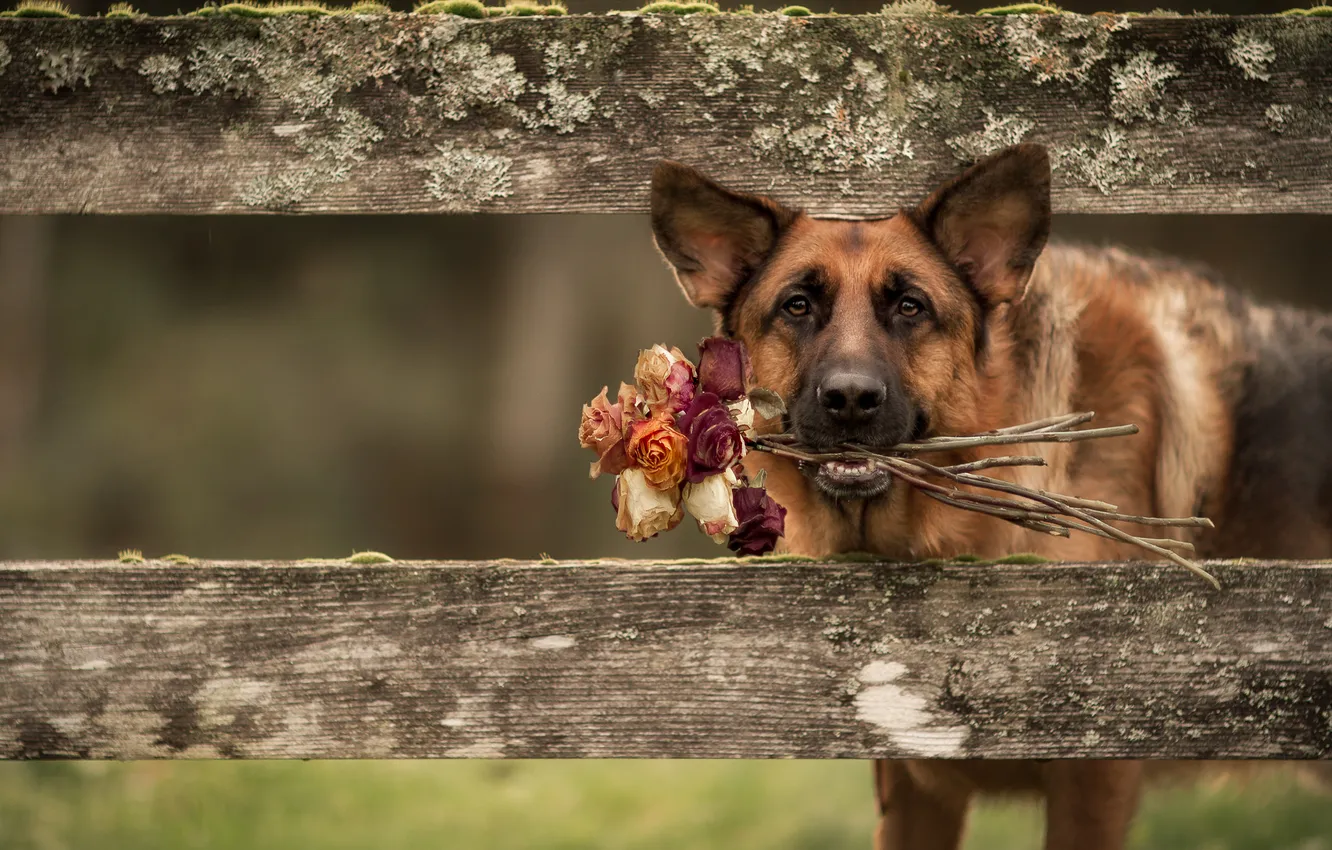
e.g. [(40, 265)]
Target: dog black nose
[(850, 397)]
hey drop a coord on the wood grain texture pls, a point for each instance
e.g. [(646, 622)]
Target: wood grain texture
[(635, 659), (841, 115)]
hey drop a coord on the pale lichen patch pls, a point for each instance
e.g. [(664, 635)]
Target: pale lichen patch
[(163, 72), (463, 176), (1104, 164), (1252, 55), (463, 75), (836, 141), (330, 157), (66, 69), (1277, 116), (1063, 48), (998, 133), (1137, 84)]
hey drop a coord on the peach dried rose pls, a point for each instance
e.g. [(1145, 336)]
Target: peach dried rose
[(659, 450), (602, 431), (643, 511)]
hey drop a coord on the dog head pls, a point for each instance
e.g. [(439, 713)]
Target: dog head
[(874, 332)]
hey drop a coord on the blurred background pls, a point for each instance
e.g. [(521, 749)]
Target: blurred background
[(297, 387)]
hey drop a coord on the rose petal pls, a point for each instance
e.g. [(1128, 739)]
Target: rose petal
[(644, 511), (723, 367)]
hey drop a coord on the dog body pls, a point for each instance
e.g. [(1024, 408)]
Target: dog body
[(954, 318)]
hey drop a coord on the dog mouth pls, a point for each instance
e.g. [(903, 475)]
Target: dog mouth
[(849, 479)]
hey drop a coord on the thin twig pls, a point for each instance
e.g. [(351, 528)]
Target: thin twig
[(1031, 508)]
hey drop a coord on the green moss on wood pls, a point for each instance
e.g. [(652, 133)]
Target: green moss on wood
[(669, 8), (1315, 12), (1022, 9), (248, 9), (365, 558), (796, 11), (183, 560), (367, 8), (461, 8), (123, 10), (130, 556), (526, 10), (40, 9)]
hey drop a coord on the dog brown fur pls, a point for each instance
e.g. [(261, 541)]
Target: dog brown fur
[(1008, 331)]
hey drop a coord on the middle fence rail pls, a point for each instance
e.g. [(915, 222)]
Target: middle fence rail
[(755, 659)]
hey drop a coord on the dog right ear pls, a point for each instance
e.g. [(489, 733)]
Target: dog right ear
[(713, 238)]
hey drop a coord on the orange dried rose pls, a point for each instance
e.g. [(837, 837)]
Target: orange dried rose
[(659, 450)]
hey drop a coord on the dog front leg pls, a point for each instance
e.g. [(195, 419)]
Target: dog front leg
[(1090, 804), (914, 816)]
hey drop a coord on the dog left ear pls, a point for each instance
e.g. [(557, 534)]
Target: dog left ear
[(993, 220), (713, 237)]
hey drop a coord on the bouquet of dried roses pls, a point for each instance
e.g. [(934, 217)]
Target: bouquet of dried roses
[(674, 440)]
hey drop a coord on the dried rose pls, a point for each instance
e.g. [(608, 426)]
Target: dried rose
[(761, 520), (723, 368), (710, 502), (715, 443), (659, 450), (631, 402), (680, 386), (643, 511), (743, 414), (602, 430), (653, 371)]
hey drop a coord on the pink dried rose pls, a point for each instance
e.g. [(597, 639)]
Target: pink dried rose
[(656, 448), (723, 368), (680, 386), (715, 443), (641, 510), (710, 502), (602, 431), (656, 373), (761, 522)]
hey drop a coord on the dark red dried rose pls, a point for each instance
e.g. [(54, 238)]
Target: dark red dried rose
[(723, 368), (761, 519), (715, 443)]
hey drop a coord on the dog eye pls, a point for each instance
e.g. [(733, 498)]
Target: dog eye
[(909, 307), (797, 306)]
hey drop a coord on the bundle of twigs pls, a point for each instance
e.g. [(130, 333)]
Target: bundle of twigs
[(1038, 510)]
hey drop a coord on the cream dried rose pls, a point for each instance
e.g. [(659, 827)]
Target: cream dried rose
[(643, 511), (743, 414), (710, 502)]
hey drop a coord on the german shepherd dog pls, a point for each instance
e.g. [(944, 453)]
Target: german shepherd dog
[(955, 318)]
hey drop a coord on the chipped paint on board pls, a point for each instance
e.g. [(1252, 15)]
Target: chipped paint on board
[(905, 717)]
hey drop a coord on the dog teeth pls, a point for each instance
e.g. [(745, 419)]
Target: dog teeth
[(853, 468)]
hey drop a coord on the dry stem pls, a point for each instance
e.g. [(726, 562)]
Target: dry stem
[(1038, 510)]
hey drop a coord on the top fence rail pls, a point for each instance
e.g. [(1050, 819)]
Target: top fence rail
[(853, 115)]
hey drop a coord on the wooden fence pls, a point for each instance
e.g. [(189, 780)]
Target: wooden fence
[(855, 114), (769, 659), (850, 115)]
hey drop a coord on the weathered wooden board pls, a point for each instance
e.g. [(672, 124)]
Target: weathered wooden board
[(841, 115), (629, 659)]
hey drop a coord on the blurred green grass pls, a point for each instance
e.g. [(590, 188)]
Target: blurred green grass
[(552, 805)]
